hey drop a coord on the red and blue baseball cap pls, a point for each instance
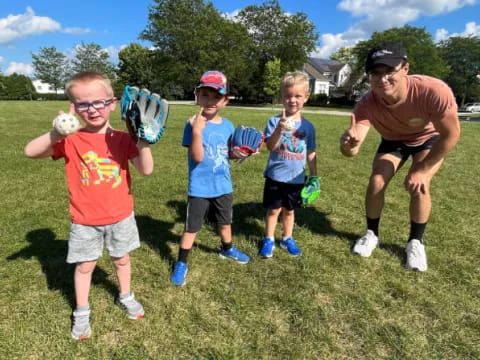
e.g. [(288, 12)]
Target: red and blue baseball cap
[(216, 80)]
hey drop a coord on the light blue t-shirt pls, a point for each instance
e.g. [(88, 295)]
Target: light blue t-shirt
[(211, 177), (287, 162)]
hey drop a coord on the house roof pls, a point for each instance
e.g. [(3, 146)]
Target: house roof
[(314, 73), (325, 65)]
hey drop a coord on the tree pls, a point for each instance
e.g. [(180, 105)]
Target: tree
[(51, 66), (17, 87), (272, 79), (191, 37), (276, 34), (423, 56), (462, 55), (91, 57), (135, 66)]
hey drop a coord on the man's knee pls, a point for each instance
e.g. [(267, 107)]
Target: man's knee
[(377, 184)]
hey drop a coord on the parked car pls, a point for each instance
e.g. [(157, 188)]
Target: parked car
[(470, 107)]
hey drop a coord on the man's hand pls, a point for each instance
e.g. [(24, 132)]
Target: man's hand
[(350, 138), (417, 180)]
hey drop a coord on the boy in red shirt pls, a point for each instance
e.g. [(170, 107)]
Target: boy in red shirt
[(98, 179)]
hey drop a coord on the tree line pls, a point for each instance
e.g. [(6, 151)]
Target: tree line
[(254, 49)]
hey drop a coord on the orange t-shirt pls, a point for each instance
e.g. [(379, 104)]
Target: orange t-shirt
[(412, 119), (98, 177)]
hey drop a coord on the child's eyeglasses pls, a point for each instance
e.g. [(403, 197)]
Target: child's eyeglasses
[(97, 105)]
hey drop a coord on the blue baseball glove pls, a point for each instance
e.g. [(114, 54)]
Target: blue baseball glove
[(246, 141), (310, 191), (144, 113)]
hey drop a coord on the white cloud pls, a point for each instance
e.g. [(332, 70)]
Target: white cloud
[(77, 30), (113, 52), (14, 27), (231, 15), (20, 68), (380, 15), (471, 29)]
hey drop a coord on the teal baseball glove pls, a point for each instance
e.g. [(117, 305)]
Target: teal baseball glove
[(145, 114)]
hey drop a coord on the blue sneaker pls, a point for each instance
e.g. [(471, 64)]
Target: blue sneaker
[(289, 245), (267, 248), (234, 254), (180, 270)]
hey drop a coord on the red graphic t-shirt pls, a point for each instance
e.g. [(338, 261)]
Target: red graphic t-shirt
[(98, 176)]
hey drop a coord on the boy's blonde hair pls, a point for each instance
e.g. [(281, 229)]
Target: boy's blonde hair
[(89, 77), (295, 78)]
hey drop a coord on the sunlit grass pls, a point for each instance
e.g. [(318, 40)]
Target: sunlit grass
[(327, 304)]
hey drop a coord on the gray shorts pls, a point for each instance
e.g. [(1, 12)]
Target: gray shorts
[(86, 241)]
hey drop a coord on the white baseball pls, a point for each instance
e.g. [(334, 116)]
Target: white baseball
[(66, 124), (289, 124)]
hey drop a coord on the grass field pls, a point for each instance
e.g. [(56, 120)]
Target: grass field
[(326, 304)]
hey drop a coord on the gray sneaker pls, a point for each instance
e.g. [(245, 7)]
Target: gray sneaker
[(81, 324), (133, 308), (366, 244), (416, 256)]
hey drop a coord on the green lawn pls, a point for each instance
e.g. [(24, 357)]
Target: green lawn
[(326, 304)]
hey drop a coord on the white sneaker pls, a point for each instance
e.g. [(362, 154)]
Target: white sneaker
[(366, 244), (416, 256)]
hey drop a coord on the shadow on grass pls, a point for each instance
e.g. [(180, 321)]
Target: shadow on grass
[(51, 254), (157, 234), (249, 220)]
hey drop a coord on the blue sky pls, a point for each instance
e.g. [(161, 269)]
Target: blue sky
[(25, 26)]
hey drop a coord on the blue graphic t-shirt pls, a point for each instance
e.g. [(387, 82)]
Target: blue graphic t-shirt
[(210, 177), (287, 162)]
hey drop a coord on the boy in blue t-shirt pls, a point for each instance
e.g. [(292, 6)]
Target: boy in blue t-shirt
[(207, 136), (291, 141)]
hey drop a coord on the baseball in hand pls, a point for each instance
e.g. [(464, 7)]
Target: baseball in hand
[(289, 123), (66, 124)]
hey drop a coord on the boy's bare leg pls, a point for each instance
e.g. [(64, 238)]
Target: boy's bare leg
[(82, 280), (271, 220), (288, 219), (124, 273)]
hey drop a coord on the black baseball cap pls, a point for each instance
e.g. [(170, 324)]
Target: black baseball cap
[(388, 53)]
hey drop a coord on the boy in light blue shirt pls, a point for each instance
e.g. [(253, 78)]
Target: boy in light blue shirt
[(207, 137), (291, 141)]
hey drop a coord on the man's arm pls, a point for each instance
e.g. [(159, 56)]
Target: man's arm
[(419, 175), (449, 128)]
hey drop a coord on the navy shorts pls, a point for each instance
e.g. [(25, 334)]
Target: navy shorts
[(278, 194), (403, 151), (218, 209)]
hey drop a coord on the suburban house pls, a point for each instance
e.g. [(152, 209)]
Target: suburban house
[(326, 75), (44, 88)]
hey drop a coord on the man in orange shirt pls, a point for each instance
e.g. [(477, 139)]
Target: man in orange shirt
[(415, 115)]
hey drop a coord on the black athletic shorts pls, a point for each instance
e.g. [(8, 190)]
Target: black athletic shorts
[(218, 209), (403, 151), (278, 194)]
